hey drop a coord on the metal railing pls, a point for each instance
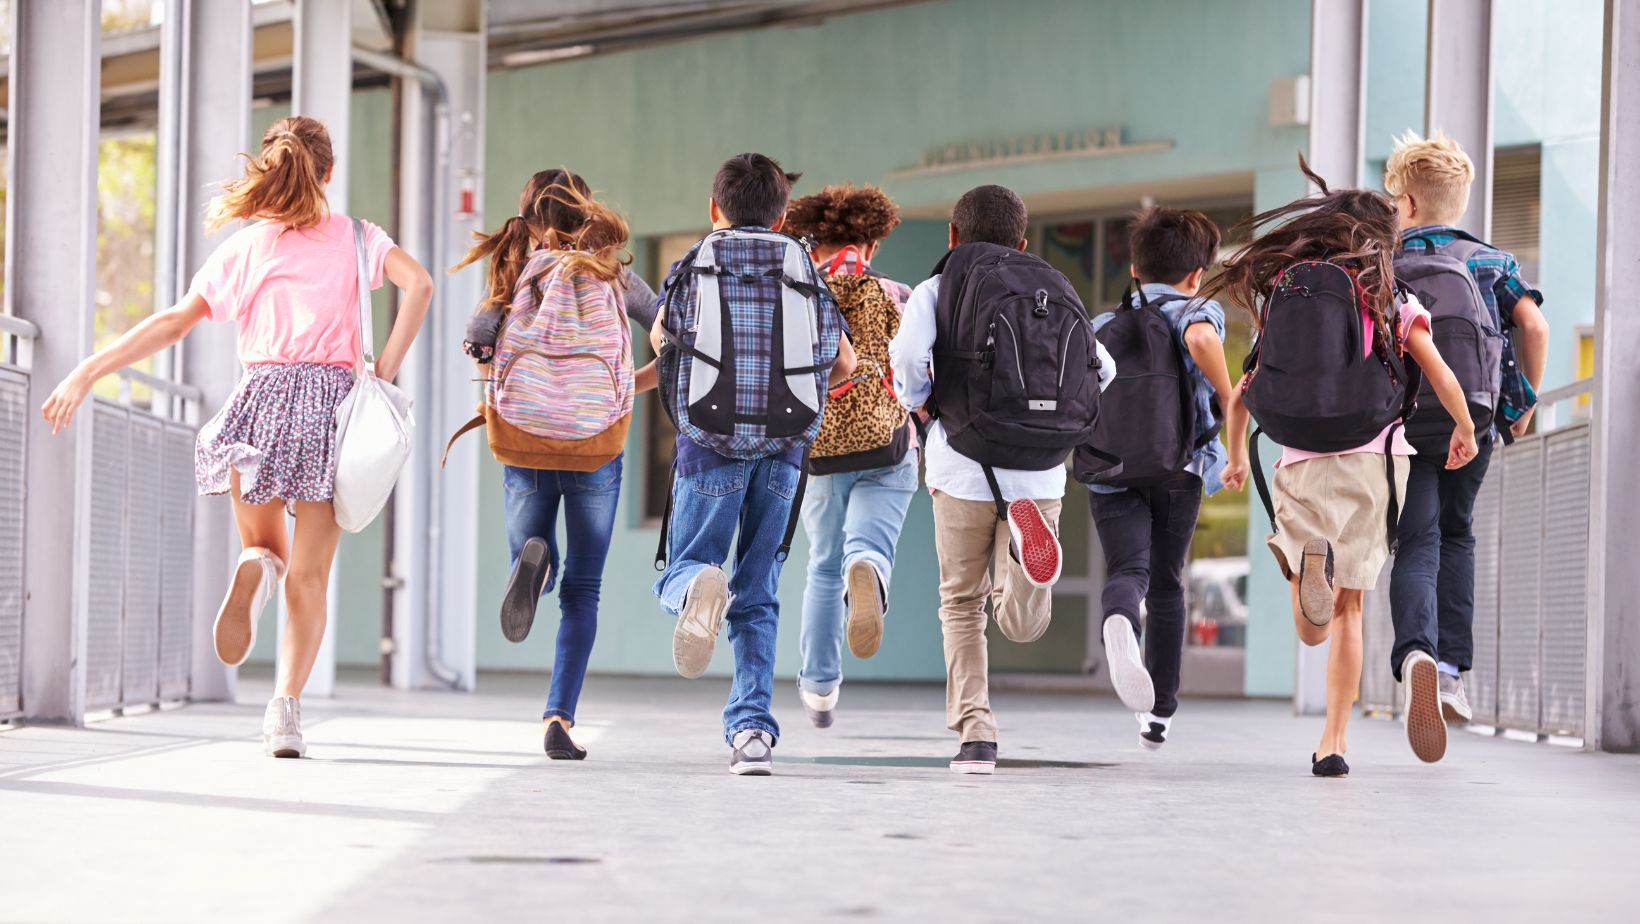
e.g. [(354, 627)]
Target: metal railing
[(16, 353), (1531, 583)]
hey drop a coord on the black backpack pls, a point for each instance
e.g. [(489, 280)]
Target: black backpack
[(1148, 416), (1016, 381), (1308, 383), (1464, 332)]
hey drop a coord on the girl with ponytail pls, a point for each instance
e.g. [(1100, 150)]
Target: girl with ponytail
[(551, 338), (290, 282)]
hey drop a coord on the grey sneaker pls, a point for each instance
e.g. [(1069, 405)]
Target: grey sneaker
[(705, 604), (282, 728), (753, 754), (1426, 730), (1455, 699), (820, 708)]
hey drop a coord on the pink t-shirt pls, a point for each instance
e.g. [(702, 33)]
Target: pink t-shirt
[(295, 294), (1411, 314)]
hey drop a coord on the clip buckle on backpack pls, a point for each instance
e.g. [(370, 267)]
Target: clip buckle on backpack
[(1464, 332), (1148, 415), (560, 389), (1310, 331), (708, 376)]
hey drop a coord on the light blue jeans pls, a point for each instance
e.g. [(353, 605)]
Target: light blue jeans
[(849, 517)]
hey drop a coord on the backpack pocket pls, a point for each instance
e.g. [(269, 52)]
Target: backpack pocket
[(561, 396)]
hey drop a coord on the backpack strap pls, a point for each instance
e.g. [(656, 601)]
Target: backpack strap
[(661, 551), (1392, 511), (996, 491), (463, 430), (367, 334), (1259, 483), (785, 550)]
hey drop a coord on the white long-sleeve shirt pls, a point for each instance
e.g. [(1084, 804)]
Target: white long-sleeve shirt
[(911, 353)]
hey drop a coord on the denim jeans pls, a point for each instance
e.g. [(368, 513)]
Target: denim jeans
[(589, 499), (1146, 535), (707, 508), (849, 517), (1432, 582)]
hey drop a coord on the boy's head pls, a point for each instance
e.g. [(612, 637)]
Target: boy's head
[(750, 189), (1429, 179), (989, 215), (1172, 246)]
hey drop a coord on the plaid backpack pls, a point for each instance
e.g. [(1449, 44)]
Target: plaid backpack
[(751, 331)]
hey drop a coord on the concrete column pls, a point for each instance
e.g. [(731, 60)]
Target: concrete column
[(1458, 94), (322, 87), (51, 253), (215, 111), (1614, 628)]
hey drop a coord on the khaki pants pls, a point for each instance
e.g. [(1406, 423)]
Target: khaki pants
[(970, 541)]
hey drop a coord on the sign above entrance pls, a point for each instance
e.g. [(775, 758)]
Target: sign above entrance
[(1028, 149)]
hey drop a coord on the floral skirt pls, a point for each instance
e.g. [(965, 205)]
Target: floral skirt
[(278, 431)]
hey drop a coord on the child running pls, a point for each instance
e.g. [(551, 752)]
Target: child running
[(1160, 417), (749, 340), (863, 465), (558, 287), (290, 280), (1327, 373), (1011, 323)]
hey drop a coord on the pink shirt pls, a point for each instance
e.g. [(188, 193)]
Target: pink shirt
[(1412, 314), (295, 294)]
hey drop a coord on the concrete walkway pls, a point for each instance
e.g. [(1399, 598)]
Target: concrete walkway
[(424, 807)]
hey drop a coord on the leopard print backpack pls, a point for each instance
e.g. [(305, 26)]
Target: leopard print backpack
[(864, 425)]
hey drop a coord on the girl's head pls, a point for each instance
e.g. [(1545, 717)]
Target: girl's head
[(556, 210), (838, 216), (284, 182), (1355, 228)]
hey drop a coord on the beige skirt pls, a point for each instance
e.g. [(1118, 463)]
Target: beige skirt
[(1345, 500)]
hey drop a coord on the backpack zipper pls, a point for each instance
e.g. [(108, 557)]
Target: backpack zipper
[(1018, 366), (506, 369), (1065, 353)]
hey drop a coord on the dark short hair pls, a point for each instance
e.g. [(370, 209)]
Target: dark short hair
[(751, 189), (1170, 244), (990, 215)]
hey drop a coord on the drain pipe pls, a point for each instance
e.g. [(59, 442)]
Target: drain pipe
[(433, 86)]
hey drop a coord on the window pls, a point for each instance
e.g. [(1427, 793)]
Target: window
[(1516, 198)]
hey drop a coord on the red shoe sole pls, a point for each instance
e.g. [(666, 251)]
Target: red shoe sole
[(1035, 543)]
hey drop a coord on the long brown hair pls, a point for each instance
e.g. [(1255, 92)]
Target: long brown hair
[(1355, 228), (285, 182), (556, 206)]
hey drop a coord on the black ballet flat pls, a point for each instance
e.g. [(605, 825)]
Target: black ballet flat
[(1330, 766), (560, 746)]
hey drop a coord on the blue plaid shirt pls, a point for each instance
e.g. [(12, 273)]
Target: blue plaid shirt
[(1497, 275)]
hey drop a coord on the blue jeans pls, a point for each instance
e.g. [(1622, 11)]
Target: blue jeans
[(707, 506), (1432, 582), (589, 499), (850, 517)]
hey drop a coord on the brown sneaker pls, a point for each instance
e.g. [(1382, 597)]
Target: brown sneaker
[(1315, 581), (866, 608), (1426, 729)]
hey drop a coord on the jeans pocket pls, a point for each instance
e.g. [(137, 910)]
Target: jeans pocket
[(600, 479), (1182, 508), (518, 482), (901, 477), (783, 479), (718, 481)]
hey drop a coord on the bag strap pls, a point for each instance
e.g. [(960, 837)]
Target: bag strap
[(661, 551), (1392, 511), (1259, 483), (463, 430), (996, 491), (796, 513), (367, 332)]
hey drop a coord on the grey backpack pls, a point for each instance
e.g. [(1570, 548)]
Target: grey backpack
[(1464, 331)]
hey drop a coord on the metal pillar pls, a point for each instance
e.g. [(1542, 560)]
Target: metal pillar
[(1613, 699), (51, 253), (214, 108), (436, 512), (1458, 94), (1338, 118), (322, 87)]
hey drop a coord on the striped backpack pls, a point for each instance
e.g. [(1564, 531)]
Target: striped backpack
[(560, 388)]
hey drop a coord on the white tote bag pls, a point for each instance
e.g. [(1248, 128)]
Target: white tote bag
[(373, 424)]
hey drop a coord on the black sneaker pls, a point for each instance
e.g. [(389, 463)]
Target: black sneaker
[(524, 590), (1330, 766), (559, 745), (754, 753), (975, 757)]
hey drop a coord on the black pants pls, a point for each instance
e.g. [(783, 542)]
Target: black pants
[(1432, 584), (1146, 535)]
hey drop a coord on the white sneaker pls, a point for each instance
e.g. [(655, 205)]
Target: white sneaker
[(1153, 730), (818, 707), (282, 728), (705, 603), (254, 579), (753, 753), (1127, 665)]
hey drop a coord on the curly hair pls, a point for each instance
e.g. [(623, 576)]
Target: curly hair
[(841, 215), (1354, 228)]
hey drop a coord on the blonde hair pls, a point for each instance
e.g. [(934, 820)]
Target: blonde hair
[(1434, 171), (284, 183)]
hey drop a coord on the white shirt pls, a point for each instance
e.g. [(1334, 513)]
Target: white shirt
[(911, 353)]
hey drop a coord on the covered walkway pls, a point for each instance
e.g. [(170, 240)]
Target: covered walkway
[(430, 806)]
